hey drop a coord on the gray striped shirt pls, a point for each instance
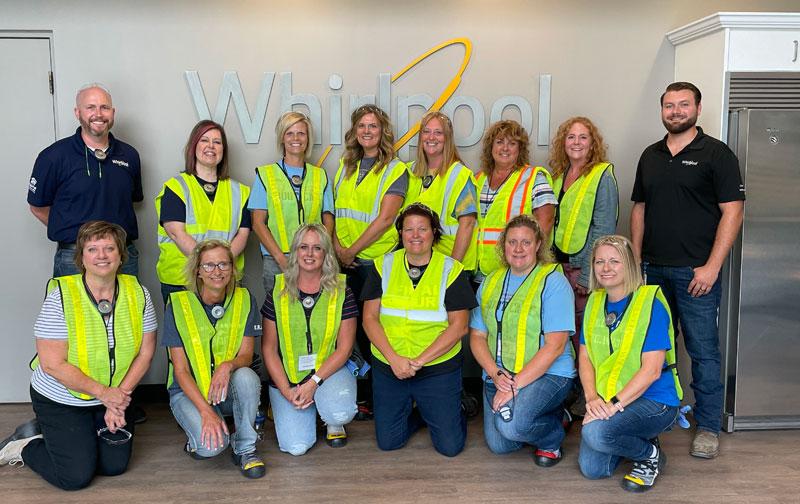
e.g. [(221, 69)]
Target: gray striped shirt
[(50, 324)]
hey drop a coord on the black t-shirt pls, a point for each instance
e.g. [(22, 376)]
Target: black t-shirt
[(682, 195), (458, 296)]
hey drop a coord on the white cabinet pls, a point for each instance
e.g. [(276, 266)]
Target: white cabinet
[(709, 49), (763, 50)]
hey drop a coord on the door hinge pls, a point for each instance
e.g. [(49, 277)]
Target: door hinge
[(50, 81)]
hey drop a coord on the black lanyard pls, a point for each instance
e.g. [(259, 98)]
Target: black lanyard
[(502, 304), (308, 312), (301, 212), (613, 326)]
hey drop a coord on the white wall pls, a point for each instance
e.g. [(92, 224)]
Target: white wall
[(608, 60)]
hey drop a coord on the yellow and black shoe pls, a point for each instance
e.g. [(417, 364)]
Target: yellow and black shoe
[(250, 464), (644, 472), (336, 436)]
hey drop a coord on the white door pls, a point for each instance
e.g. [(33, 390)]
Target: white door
[(27, 127)]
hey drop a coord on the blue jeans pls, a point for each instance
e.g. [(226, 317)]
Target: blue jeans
[(627, 434), (536, 418), (64, 262), (335, 401), (270, 268), (438, 399), (244, 392), (699, 325)]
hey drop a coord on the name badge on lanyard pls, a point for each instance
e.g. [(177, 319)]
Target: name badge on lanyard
[(307, 362)]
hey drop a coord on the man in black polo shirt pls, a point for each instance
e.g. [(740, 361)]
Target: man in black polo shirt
[(688, 206), (88, 176)]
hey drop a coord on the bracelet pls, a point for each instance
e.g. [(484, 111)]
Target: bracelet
[(317, 379)]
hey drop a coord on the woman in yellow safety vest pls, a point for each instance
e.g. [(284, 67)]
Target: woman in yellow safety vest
[(588, 201), (416, 308), (508, 186), (309, 331), (519, 334), (627, 368), (201, 203), (209, 332), (95, 338), (443, 183), (288, 194), (370, 188)]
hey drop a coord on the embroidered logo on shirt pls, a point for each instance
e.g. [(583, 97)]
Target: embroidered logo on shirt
[(689, 163), (32, 185), (119, 162)]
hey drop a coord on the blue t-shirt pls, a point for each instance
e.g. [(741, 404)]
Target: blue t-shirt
[(78, 187), (172, 338), (558, 314), (258, 195), (657, 338)]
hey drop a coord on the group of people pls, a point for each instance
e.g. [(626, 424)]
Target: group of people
[(399, 261)]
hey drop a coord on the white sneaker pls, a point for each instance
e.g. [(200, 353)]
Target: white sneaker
[(11, 453)]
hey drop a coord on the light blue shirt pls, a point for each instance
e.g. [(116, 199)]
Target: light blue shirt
[(259, 196), (558, 314)]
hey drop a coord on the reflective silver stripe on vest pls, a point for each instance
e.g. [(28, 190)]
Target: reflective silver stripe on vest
[(449, 229), (491, 235), (352, 214), (376, 207), (518, 197), (236, 208), (190, 217), (439, 315)]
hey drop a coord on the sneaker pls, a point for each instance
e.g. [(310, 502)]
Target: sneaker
[(705, 445), (188, 449), (364, 411), (566, 420), (250, 464), (26, 430), (11, 452), (336, 436), (547, 458), (644, 472)]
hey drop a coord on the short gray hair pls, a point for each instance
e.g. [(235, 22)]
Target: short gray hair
[(92, 85)]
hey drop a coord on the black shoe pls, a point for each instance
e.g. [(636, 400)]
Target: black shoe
[(644, 472), (335, 436), (26, 430), (250, 464), (138, 415), (469, 403), (191, 453), (364, 411), (547, 458)]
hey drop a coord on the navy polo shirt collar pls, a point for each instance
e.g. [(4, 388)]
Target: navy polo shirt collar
[(697, 143), (80, 145)]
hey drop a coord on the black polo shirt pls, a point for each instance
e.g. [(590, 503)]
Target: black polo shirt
[(79, 188), (682, 195)]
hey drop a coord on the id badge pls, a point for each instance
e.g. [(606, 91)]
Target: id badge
[(307, 362)]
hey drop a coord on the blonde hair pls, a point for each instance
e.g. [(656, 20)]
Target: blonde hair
[(543, 256), (192, 267), (633, 275), (286, 121), (329, 281), (559, 161), (353, 152), (505, 129), (450, 153)]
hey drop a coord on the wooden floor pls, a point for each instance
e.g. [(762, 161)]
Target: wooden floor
[(755, 467)]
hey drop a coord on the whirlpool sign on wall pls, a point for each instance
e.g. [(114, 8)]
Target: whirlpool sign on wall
[(448, 102)]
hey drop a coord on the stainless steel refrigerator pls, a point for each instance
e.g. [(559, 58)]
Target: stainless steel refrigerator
[(760, 312)]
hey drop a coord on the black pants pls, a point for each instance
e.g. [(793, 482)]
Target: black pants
[(70, 453), (356, 277)]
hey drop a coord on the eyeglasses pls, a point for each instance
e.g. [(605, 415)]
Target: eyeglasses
[(120, 437), (210, 266)]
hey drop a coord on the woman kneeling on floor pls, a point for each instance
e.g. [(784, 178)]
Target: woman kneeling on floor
[(209, 331), (309, 331), (627, 368), (519, 334)]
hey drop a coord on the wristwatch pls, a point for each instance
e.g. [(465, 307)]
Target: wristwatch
[(617, 404), (317, 379)]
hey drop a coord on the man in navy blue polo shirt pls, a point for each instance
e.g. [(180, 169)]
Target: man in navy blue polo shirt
[(88, 176), (688, 206)]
